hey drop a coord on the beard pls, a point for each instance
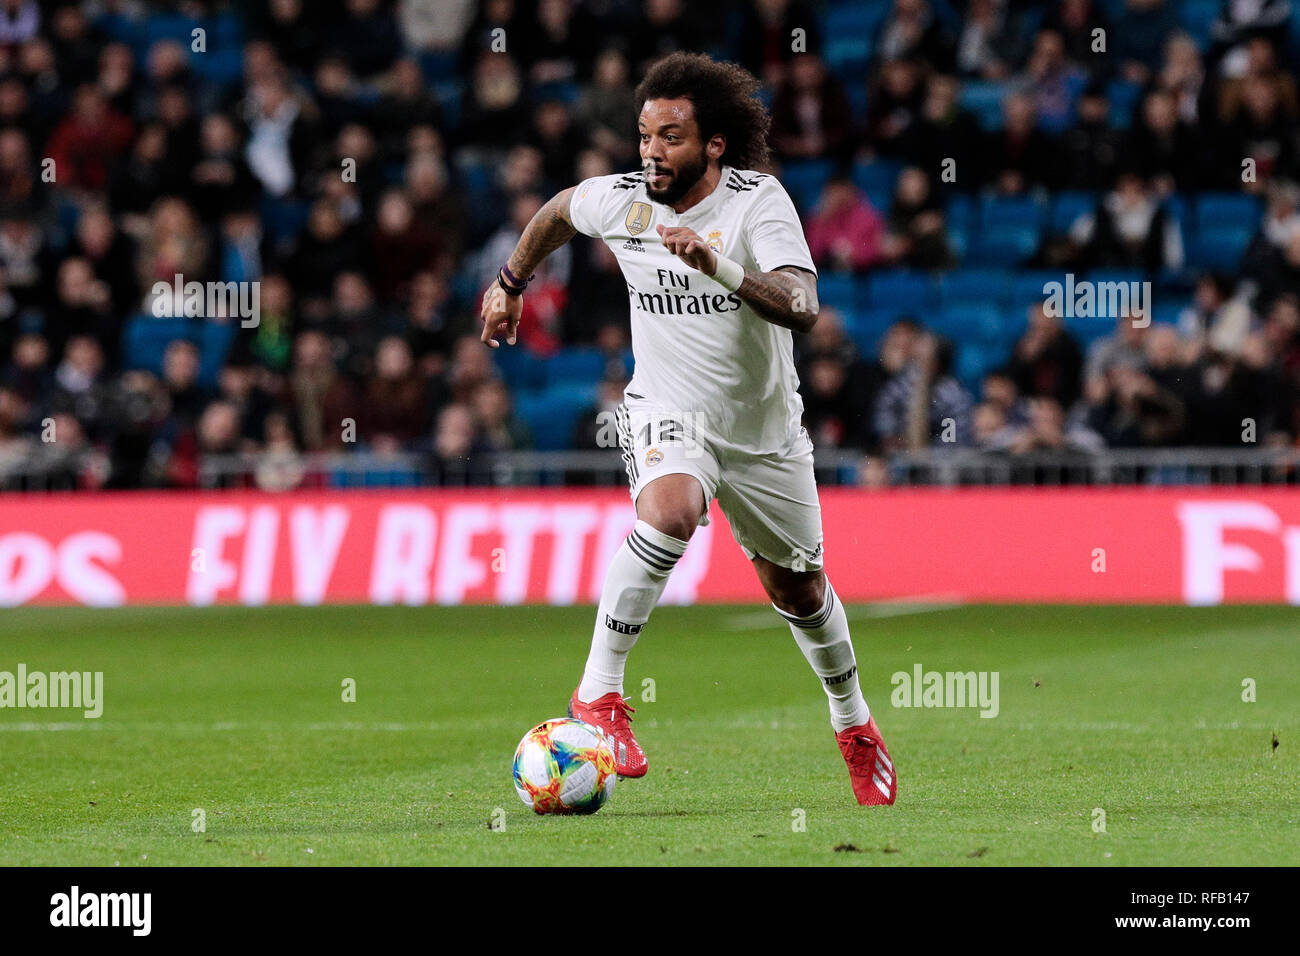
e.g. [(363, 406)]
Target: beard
[(680, 182)]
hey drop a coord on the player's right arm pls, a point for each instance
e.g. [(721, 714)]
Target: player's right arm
[(503, 301)]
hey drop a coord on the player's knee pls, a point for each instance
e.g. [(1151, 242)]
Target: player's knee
[(676, 521), (800, 595)]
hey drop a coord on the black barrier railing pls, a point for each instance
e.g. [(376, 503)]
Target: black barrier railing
[(943, 467)]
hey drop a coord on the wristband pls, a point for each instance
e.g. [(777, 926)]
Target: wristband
[(513, 281), (728, 273), (507, 288)]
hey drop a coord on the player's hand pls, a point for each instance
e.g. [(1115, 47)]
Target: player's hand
[(686, 245), (500, 312)]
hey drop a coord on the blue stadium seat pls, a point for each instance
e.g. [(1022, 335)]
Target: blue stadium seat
[(222, 66), (974, 360), (520, 369), (1011, 211), (1013, 321), (215, 340), (969, 322), (1167, 310), (853, 18), (975, 286), (283, 219), (1219, 248), (869, 325), (439, 65), (1196, 17), (168, 26), (847, 54), (877, 180), (1215, 210), (901, 289), (838, 289), (1088, 329), (1027, 286), (449, 94), (552, 414), (145, 338), (1123, 97), (984, 101), (575, 366), (1068, 206), (1006, 245), (803, 180)]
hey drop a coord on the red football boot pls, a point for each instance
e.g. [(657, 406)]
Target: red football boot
[(872, 772), (610, 713)]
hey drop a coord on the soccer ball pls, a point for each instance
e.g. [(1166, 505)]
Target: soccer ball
[(564, 766)]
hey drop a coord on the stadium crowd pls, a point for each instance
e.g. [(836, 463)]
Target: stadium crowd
[(370, 164)]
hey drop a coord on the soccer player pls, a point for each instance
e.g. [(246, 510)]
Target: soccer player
[(718, 274)]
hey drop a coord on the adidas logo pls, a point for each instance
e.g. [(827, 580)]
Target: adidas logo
[(884, 773), (634, 245)]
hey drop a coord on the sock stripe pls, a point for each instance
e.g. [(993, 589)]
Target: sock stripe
[(656, 549), (815, 620), (646, 557)]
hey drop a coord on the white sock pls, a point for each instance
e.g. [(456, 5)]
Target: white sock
[(824, 639), (634, 582)]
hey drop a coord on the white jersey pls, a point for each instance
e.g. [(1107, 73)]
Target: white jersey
[(699, 349)]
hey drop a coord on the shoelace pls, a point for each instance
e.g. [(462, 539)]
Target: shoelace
[(620, 715), (862, 750)]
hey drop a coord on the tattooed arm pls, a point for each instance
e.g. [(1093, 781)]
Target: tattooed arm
[(551, 228), (786, 297)]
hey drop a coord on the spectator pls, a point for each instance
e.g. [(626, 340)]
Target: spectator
[(1128, 230), (1091, 146), (837, 385), (498, 427), (1047, 431), (924, 405), (85, 145), (811, 117), (1047, 361), (1020, 155), (1053, 82), (1162, 149), (1141, 30), (607, 108), (942, 130), (845, 232), (916, 225), (395, 411), (912, 30)]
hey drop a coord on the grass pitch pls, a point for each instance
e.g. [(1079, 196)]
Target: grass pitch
[(239, 713)]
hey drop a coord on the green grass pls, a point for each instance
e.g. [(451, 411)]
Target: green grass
[(1137, 711)]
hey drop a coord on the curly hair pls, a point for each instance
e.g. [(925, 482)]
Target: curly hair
[(725, 97)]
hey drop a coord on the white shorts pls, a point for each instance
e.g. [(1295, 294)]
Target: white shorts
[(769, 500)]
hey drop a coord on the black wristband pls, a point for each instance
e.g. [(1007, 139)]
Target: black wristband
[(507, 288), (510, 282)]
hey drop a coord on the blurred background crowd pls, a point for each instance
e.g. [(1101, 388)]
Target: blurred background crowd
[(370, 163)]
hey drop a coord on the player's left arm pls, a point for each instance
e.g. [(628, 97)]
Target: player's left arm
[(786, 296)]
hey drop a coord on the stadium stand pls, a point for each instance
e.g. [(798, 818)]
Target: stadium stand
[(368, 163)]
